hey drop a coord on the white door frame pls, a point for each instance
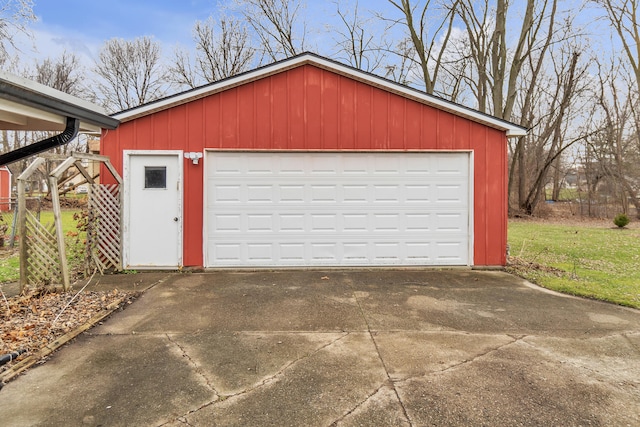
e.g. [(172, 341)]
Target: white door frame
[(127, 154)]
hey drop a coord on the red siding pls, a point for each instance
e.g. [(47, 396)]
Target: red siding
[(5, 189), (308, 108)]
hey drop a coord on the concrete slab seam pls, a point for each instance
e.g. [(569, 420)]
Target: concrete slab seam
[(197, 368), (224, 398), (355, 408), (384, 365), (464, 362), (159, 281)]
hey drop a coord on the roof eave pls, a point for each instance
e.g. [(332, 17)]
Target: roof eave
[(40, 97), (511, 129)]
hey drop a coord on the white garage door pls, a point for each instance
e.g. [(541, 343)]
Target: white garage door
[(337, 209)]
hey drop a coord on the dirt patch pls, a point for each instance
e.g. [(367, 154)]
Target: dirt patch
[(518, 266), (31, 322)]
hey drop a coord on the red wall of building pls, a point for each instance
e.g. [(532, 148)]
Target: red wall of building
[(307, 108), (5, 189)]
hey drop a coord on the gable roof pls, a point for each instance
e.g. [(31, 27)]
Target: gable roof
[(30, 106), (511, 129)]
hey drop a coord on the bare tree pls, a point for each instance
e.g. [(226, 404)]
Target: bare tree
[(528, 71), (614, 145), (401, 70), (550, 137), (130, 73), (623, 17), (621, 127), (429, 35), (277, 24), (223, 49), (357, 44), (63, 73), (15, 15), (498, 61), (66, 74)]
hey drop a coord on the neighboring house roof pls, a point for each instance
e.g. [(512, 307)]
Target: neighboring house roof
[(511, 129), (30, 106)]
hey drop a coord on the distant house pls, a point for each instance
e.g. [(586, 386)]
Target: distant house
[(311, 163), (5, 189)]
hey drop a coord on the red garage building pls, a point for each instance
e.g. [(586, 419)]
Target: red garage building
[(308, 162)]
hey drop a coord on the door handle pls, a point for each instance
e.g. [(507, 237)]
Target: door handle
[(175, 218)]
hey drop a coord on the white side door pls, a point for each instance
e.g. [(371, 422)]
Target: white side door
[(153, 210)]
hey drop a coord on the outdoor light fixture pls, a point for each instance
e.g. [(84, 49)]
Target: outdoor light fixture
[(194, 156)]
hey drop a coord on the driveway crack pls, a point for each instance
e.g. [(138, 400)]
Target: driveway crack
[(384, 365), (196, 367), (286, 367), (515, 339), (359, 405)]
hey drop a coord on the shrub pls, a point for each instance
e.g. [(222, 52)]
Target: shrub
[(621, 220)]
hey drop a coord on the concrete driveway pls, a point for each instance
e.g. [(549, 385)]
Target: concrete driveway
[(344, 348)]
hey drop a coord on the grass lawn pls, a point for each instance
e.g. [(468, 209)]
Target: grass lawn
[(9, 261), (594, 259)]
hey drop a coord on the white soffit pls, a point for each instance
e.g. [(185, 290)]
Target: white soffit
[(30, 106)]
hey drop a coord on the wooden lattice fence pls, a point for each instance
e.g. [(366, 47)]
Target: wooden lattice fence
[(43, 258), (42, 264), (104, 228)]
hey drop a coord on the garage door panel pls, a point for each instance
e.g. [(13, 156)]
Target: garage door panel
[(387, 252), (417, 193), (227, 252), (322, 165), (323, 223), (455, 194), (355, 251), (291, 193), (386, 222), (228, 223), (225, 194), (417, 166), (324, 252), (418, 252), (292, 252), (258, 193), (260, 223), (260, 252), (355, 193), (448, 252), (448, 164), (386, 193), (292, 222), (386, 166), (418, 222), (290, 165), (337, 209), (450, 222), (322, 193)]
